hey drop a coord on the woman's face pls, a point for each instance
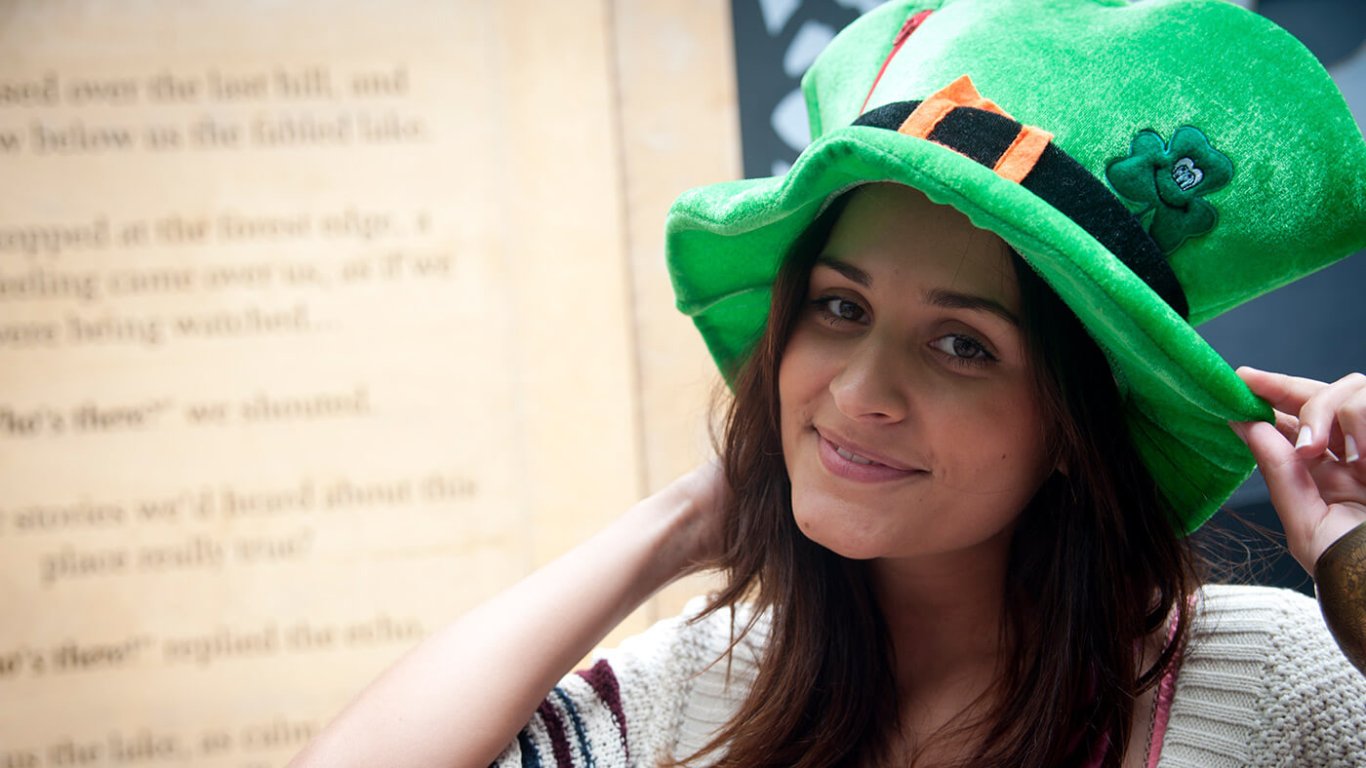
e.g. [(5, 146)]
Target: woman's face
[(909, 420)]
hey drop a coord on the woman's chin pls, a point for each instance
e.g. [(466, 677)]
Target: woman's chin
[(840, 535)]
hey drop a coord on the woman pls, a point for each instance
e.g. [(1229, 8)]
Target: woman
[(971, 428)]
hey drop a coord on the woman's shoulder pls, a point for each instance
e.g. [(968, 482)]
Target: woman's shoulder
[(694, 643), (1274, 636), (725, 647), (1281, 624), (661, 693), (677, 682), (1222, 598), (1262, 682)]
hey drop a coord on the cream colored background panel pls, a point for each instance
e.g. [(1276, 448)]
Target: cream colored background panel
[(320, 322), (680, 119)]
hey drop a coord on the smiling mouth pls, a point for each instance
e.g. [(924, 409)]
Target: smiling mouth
[(848, 462), (854, 457)]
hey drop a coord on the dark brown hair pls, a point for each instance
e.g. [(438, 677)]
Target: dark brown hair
[(1095, 567)]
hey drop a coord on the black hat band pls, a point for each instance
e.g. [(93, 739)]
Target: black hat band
[(986, 137)]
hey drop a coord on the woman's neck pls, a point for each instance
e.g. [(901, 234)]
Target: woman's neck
[(944, 611), (943, 615)]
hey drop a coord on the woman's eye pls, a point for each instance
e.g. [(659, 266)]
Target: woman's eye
[(962, 348), (836, 308)]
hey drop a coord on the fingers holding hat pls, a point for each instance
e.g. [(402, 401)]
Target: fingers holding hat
[(1330, 419), (1315, 416), (1310, 458)]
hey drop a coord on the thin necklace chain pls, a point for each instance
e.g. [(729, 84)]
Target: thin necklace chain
[(1152, 727)]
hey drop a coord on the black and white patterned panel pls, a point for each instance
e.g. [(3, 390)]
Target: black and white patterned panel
[(776, 40), (775, 43)]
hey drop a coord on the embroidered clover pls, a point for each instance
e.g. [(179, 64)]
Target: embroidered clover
[(1170, 179)]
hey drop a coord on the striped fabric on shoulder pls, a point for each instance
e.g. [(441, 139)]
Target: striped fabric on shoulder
[(660, 694), (580, 723)]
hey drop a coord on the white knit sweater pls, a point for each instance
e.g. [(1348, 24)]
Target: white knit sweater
[(1261, 684)]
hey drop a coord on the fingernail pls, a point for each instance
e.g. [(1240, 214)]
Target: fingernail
[(1306, 436), (1240, 429), (1351, 445)]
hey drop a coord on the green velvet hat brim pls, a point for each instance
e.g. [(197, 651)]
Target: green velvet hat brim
[(727, 241)]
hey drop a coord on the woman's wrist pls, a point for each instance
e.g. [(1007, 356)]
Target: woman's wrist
[(669, 526), (1340, 583)]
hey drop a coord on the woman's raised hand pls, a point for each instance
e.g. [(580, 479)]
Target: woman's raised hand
[(1311, 457), (702, 495)]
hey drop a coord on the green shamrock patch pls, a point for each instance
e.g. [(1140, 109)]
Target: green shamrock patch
[(1169, 180)]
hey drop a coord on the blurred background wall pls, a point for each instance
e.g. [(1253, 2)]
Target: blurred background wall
[(321, 321)]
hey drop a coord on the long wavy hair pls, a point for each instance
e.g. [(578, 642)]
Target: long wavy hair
[(1095, 566)]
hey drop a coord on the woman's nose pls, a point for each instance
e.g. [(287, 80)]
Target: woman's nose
[(873, 382)]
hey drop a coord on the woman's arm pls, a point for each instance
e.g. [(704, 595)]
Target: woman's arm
[(462, 695)]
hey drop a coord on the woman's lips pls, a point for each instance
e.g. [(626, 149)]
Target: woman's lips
[(837, 460)]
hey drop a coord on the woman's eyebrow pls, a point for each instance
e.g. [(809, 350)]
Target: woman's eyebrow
[(940, 297), (844, 268)]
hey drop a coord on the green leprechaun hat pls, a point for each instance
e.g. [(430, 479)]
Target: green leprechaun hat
[(1157, 163)]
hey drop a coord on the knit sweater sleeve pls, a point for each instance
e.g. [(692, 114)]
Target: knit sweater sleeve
[(1263, 684), (657, 695)]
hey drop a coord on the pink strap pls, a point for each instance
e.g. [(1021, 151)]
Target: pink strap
[(1098, 754), (1166, 690)]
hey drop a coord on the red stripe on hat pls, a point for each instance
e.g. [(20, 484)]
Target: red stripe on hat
[(898, 41)]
